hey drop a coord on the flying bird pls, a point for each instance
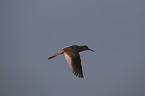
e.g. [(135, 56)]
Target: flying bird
[(72, 56)]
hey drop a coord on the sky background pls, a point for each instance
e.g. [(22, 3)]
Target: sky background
[(32, 30)]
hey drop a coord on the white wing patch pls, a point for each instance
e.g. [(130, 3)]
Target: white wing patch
[(69, 60)]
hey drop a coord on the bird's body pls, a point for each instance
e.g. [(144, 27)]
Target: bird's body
[(72, 56)]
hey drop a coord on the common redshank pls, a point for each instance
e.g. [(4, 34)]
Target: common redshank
[(72, 56)]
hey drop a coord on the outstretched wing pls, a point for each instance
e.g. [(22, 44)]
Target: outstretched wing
[(74, 62), (57, 53)]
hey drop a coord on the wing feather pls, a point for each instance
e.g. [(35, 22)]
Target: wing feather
[(74, 63)]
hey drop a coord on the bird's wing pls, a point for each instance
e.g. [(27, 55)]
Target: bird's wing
[(57, 53), (74, 62)]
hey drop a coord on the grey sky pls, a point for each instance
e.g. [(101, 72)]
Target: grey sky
[(32, 30)]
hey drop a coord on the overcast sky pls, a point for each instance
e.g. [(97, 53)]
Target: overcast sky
[(33, 30)]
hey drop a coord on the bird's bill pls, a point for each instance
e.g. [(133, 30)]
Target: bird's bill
[(91, 50)]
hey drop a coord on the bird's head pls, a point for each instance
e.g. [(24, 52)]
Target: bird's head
[(84, 47)]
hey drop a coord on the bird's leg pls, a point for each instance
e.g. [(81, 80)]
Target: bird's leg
[(56, 54), (51, 57)]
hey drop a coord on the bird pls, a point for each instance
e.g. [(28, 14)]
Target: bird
[(73, 59)]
